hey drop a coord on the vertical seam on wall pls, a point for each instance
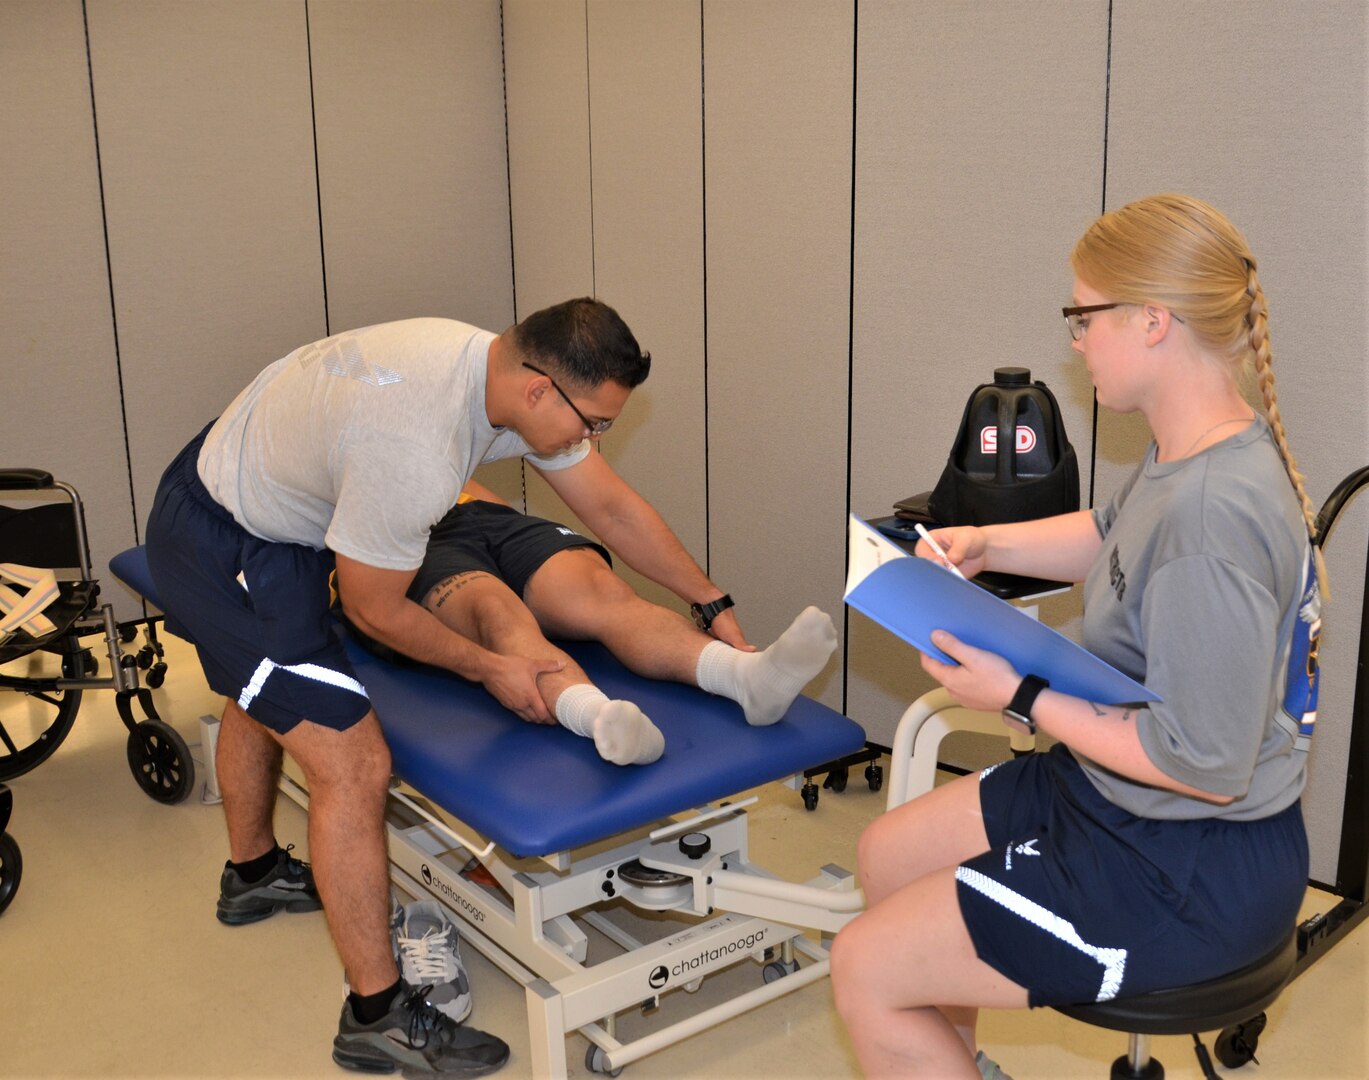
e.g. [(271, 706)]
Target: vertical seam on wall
[(703, 223), (589, 133), (850, 351), (318, 177), (508, 183), (109, 277), (1103, 209), (508, 158)]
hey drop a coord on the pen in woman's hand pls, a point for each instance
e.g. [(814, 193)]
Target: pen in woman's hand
[(941, 555)]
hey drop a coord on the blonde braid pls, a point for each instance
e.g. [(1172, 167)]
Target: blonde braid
[(1264, 372)]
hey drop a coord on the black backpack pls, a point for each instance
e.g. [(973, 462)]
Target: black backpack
[(1037, 477)]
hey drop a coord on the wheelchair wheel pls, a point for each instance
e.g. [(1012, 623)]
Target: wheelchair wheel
[(160, 761), (34, 722), (11, 870)]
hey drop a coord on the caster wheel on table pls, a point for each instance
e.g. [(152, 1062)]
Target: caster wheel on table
[(595, 1061), (778, 969)]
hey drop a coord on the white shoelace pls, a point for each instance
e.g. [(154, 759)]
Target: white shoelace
[(430, 957)]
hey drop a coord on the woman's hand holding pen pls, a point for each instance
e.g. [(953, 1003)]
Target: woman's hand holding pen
[(965, 547)]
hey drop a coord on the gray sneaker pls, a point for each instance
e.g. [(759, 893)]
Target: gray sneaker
[(289, 887), (988, 1068), (416, 1039), (429, 954)]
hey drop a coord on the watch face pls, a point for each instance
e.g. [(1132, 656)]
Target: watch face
[(1026, 721)]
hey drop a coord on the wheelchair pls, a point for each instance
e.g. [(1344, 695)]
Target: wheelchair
[(46, 667)]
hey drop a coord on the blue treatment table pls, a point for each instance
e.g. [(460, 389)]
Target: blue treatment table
[(568, 834)]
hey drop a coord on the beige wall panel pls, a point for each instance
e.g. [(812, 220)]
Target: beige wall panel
[(547, 77), (1267, 115), (978, 162), (646, 131), (546, 73), (63, 410), (207, 151), (409, 107), (778, 97)]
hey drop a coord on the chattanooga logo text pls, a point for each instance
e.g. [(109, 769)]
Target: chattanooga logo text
[(446, 890), (749, 943)]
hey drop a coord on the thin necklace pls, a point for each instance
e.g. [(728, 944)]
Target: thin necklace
[(1214, 427)]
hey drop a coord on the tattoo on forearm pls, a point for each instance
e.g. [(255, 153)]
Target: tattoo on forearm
[(1126, 716), (1098, 710)]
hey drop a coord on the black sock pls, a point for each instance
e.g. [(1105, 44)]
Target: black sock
[(368, 1008), (254, 870)]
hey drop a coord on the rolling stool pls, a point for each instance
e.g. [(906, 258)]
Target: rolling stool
[(1233, 1002)]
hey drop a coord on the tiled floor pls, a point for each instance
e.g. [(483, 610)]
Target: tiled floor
[(112, 963)]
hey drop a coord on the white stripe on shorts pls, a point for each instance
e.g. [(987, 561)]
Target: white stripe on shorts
[(308, 671), (1114, 961)]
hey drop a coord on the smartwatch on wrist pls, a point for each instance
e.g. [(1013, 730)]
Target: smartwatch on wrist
[(704, 614), (1020, 707)]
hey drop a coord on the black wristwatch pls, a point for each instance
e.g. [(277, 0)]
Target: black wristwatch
[(1020, 707), (704, 614)]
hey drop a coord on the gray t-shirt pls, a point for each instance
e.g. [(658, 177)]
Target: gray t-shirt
[(1197, 593), (359, 443)]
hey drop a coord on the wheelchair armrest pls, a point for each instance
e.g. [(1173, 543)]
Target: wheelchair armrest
[(25, 479)]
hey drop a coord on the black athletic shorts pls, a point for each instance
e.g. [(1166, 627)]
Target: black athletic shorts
[(494, 538), (1079, 900), (256, 611)]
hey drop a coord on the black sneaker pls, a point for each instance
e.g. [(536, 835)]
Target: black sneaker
[(289, 887), (416, 1039)]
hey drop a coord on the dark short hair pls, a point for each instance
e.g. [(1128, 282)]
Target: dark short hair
[(585, 341)]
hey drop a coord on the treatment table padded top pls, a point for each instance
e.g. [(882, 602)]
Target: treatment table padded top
[(538, 789)]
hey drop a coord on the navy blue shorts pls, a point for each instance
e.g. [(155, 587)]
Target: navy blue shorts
[(268, 644), (1079, 901), (496, 539)]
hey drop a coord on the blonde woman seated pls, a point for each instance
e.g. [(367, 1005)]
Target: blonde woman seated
[(1151, 847)]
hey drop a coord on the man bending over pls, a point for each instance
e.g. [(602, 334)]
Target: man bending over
[(507, 581)]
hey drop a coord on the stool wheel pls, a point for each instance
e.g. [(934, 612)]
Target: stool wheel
[(810, 796), (836, 779), (1151, 1070), (1236, 1045)]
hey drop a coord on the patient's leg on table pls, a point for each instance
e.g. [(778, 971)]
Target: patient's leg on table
[(479, 606), (574, 594)]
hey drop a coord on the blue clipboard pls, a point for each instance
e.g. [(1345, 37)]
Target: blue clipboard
[(911, 597)]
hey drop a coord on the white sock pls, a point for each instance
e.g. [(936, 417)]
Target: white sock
[(765, 684), (621, 731)]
